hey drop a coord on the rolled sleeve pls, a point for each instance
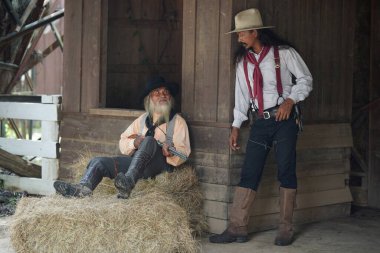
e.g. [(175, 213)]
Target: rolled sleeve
[(126, 141), (241, 97)]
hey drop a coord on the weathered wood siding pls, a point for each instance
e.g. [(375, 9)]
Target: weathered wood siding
[(84, 59), (321, 31)]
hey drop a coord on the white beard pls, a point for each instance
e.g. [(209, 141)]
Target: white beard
[(162, 109)]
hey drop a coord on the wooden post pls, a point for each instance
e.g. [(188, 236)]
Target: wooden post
[(374, 110)]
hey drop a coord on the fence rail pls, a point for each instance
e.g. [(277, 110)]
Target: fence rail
[(47, 109)]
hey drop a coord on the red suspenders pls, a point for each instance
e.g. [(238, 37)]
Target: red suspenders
[(278, 76)]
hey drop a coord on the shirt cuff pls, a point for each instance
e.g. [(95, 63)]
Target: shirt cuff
[(237, 123), (294, 97)]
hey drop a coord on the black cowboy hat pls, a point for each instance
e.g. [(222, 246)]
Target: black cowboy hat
[(158, 82)]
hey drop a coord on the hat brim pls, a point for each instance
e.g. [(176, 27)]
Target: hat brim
[(172, 87), (249, 28)]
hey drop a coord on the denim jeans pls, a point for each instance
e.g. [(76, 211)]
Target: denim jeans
[(265, 134)]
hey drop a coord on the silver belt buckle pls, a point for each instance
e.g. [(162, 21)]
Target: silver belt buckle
[(266, 115)]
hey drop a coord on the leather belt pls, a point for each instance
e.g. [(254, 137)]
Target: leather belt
[(268, 113)]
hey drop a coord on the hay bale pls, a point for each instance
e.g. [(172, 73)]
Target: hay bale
[(182, 185), (152, 222)]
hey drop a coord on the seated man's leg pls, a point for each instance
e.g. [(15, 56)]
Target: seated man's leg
[(148, 161), (97, 168)]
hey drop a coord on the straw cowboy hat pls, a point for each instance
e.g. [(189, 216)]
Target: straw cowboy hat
[(248, 20)]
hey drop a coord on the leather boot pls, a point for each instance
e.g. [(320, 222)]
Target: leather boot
[(71, 190), (126, 182), (285, 229), (237, 230)]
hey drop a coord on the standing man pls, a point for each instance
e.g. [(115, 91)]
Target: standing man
[(142, 156), (265, 68)]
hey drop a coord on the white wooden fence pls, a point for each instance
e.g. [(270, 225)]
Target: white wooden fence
[(49, 112)]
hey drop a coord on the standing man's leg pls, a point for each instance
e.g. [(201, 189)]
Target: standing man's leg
[(148, 161), (258, 146), (285, 141)]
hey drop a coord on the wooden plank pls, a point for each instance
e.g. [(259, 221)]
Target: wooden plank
[(268, 187), (87, 127), (215, 225), (93, 146), (46, 149), (213, 175), (303, 170), (270, 221), (18, 166), (225, 73), (301, 216), (316, 136), (206, 139), (359, 195), (215, 209), (305, 200), (50, 131), (103, 53), (116, 112), (374, 114), (32, 111), (188, 57), (206, 60), (210, 159), (50, 169), (72, 58), (31, 185), (91, 54), (215, 192), (306, 156), (51, 99)]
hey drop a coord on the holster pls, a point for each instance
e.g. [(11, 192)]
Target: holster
[(298, 117)]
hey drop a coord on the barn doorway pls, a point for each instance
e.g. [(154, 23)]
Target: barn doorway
[(144, 39)]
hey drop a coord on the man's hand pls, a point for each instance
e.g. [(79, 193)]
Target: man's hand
[(138, 141), (165, 150), (284, 110), (233, 139)]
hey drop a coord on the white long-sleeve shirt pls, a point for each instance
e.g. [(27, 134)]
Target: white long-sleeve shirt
[(291, 63)]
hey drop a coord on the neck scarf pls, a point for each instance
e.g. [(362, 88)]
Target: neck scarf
[(151, 126), (257, 77)]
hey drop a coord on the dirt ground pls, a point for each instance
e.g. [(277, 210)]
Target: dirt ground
[(358, 233)]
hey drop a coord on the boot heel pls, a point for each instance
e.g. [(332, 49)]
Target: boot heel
[(242, 239)]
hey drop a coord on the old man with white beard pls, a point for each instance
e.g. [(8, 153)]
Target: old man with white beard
[(142, 157)]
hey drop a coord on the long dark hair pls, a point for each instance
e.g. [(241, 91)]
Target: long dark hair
[(267, 38)]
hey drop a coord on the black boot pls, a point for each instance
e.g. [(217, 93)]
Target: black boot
[(229, 236), (124, 185), (126, 182), (71, 190)]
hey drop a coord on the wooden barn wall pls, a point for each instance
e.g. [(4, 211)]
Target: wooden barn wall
[(374, 126), (207, 102), (84, 56), (322, 31), (144, 39), (207, 73)]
